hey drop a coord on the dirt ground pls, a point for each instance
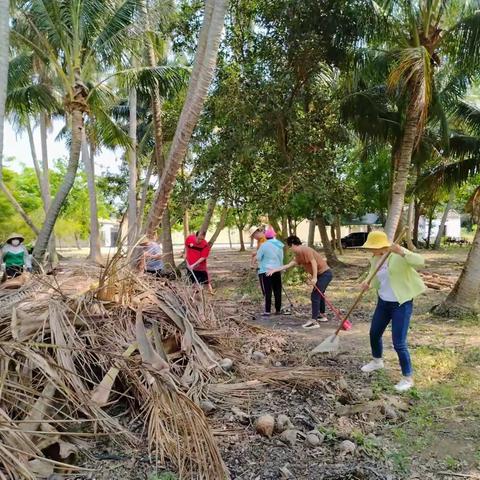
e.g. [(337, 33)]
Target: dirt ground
[(366, 431), (431, 432)]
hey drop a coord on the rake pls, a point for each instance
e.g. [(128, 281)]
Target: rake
[(332, 343)]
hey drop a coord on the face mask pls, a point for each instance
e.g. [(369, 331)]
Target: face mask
[(16, 242)]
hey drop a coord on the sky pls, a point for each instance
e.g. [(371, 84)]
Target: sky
[(17, 146)]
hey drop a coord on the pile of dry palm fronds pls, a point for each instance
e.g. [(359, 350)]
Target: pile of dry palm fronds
[(78, 346)]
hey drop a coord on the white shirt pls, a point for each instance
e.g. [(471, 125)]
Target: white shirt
[(385, 291)]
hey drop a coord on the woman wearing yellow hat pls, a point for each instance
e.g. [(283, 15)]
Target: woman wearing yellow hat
[(397, 283)]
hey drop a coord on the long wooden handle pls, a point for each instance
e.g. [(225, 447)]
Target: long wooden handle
[(370, 278)]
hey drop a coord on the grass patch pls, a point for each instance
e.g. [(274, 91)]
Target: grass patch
[(445, 380)]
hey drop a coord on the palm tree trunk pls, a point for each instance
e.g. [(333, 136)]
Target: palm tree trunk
[(167, 242), (284, 227), (133, 229), (240, 234), (465, 295), (402, 167), (88, 159), (186, 224), (327, 247), (410, 226), (333, 237), (220, 226), (18, 208), (338, 228), (230, 238), (311, 233), (36, 164), (429, 231), (438, 239), (63, 191), (4, 56), (144, 193), (212, 203), (200, 80)]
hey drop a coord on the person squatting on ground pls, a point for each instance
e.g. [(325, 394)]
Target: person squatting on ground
[(15, 256), (257, 234), (197, 251), (152, 259), (270, 256), (314, 264), (397, 283)]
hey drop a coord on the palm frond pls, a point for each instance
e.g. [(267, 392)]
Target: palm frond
[(465, 43), (470, 115)]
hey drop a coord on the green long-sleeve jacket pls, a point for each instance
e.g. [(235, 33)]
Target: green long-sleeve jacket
[(405, 281)]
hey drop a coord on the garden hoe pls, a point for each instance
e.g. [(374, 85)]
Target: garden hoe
[(332, 343)]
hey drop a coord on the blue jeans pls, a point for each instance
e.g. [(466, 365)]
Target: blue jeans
[(400, 317), (318, 303)]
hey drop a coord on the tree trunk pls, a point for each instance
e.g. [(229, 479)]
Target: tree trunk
[(36, 165), (18, 208), (333, 237), (240, 234), (429, 231), (402, 167), (338, 228), (220, 226), (410, 224), (76, 241), (4, 57), (167, 243), (291, 229), (464, 297), (311, 233), (143, 197), (88, 159), (438, 239), (186, 224), (284, 227), (200, 80), (230, 238), (327, 248), (133, 226), (63, 191), (416, 223), (212, 203)]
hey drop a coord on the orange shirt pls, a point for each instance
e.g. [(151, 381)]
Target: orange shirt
[(304, 256)]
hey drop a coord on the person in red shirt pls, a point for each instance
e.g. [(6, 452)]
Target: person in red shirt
[(197, 250)]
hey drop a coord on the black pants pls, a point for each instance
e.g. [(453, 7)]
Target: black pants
[(199, 276), (14, 271), (318, 303), (272, 284)]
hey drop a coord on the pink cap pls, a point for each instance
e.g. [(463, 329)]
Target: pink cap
[(270, 233)]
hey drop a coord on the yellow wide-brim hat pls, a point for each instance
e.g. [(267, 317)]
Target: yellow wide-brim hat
[(376, 240), (13, 236)]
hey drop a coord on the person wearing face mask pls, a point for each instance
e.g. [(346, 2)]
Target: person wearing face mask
[(15, 256)]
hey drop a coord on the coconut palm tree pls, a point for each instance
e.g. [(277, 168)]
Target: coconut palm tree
[(4, 37), (414, 39), (90, 40), (200, 79)]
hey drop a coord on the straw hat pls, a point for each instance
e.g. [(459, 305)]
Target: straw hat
[(376, 240), (15, 235), (255, 229)]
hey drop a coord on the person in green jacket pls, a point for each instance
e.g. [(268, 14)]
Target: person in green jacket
[(397, 283), (15, 256)]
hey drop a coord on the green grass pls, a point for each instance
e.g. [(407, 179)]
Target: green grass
[(445, 379)]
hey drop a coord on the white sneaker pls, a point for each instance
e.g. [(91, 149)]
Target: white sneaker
[(311, 325), (406, 383), (322, 319), (375, 364)]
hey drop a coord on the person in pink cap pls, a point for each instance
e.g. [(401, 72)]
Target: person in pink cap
[(270, 256)]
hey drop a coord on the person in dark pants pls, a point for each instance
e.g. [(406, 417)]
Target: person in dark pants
[(314, 264), (197, 251), (15, 256), (397, 283), (270, 255)]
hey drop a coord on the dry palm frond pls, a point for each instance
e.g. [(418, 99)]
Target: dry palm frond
[(302, 375)]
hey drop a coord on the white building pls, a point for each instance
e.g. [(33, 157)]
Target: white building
[(453, 226)]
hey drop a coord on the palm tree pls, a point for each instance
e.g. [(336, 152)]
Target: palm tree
[(90, 41), (461, 163), (200, 79), (4, 42), (418, 36)]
